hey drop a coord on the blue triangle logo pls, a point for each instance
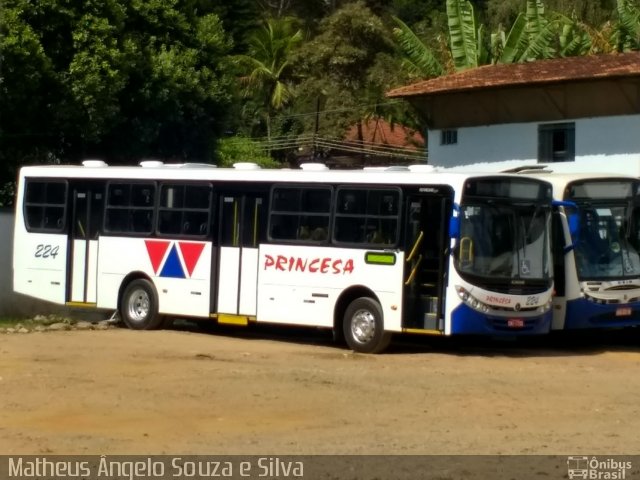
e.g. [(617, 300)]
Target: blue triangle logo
[(172, 266)]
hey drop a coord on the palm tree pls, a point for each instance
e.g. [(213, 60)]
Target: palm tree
[(266, 65)]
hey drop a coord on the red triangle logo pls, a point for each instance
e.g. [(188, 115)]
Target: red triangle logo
[(190, 254), (156, 250)]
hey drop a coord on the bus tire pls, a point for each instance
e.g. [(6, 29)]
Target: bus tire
[(363, 326), (139, 306)]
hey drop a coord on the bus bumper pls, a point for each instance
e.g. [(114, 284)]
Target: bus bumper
[(582, 313), (465, 320)]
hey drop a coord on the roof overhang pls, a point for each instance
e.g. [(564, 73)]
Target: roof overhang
[(550, 90), (535, 103)]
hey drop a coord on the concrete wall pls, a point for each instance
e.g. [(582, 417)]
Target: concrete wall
[(613, 141), (13, 304)]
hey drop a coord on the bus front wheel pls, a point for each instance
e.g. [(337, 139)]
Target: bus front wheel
[(139, 306), (364, 327)]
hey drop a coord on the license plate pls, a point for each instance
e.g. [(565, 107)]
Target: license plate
[(515, 323), (623, 312)]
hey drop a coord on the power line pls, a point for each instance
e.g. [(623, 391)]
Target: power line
[(352, 146), (345, 109)]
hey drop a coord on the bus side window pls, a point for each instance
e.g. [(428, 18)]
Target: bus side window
[(367, 216), (319, 234), (45, 205), (53, 218), (284, 227), (141, 221), (303, 233), (184, 209), (375, 237), (130, 208), (349, 220), (300, 213), (347, 230)]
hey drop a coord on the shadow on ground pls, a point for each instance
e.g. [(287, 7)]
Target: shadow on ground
[(556, 344)]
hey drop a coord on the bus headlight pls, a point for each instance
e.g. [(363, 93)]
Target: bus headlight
[(546, 307), (472, 301)]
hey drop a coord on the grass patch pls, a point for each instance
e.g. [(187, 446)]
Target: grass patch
[(10, 322), (31, 322)]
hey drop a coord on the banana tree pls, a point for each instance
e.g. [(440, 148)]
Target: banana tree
[(574, 39), (419, 59), (465, 36), (466, 43), (531, 36), (626, 36), (535, 34)]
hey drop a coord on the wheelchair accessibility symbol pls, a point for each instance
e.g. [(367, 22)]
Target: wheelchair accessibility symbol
[(525, 267)]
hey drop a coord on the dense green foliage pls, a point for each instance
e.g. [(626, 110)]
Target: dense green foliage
[(242, 149), (124, 80), (117, 79)]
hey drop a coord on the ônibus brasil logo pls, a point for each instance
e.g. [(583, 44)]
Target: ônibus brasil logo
[(173, 259), (595, 468)]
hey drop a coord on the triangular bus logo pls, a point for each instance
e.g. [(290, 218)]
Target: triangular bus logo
[(172, 266), (190, 254), (156, 250), (178, 252)]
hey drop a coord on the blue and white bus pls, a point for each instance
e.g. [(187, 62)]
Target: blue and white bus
[(597, 280), (365, 253)]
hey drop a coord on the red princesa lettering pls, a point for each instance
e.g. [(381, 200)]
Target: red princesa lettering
[(498, 300), (325, 265)]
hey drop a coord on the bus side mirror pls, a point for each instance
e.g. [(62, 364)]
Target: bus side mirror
[(572, 213), (454, 222), (574, 225)]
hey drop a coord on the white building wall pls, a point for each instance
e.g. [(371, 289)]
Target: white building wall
[(611, 142), (609, 139), (491, 143)]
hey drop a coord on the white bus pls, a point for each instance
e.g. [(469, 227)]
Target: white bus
[(597, 279), (365, 253)]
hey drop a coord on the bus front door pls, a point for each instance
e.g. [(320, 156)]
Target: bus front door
[(427, 248), (242, 227), (87, 213)]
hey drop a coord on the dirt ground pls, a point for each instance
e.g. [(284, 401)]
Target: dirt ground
[(277, 391)]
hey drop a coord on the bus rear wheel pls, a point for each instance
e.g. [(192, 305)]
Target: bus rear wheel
[(363, 326), (139, 306)]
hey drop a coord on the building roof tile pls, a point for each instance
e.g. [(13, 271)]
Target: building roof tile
[(376, 131), (557, 70)]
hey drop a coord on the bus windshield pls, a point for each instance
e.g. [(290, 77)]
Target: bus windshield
[(504, 242), (608, 242)]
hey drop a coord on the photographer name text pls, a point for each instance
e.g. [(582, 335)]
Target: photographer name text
[(176, 467)]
